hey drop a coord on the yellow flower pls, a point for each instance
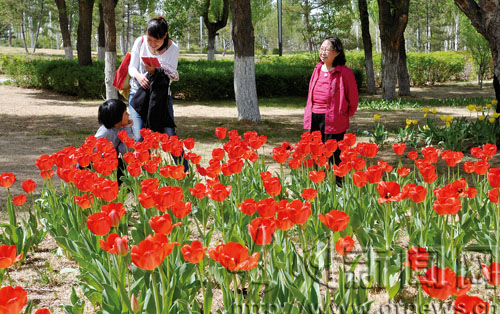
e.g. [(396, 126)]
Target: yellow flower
[(408, 121), (442, 117), (479, 108), (434, 110), (471, 107), (494, 102), (488, 106), (376, 117), (447, 124), (426, 127), (481, 118), (496, 115), (492, 120), (426, 111), (414, 122)]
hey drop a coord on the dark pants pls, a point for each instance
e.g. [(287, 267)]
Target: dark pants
[(318, 124)]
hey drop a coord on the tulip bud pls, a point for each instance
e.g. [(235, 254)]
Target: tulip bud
[(134, 303), (115, 218), (121, 247)]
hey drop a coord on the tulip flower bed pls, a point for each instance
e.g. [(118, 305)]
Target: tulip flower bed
[(289, 241)]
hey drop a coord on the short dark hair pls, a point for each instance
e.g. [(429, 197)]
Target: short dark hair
[(157, 28), (111, 112), (337, 46)]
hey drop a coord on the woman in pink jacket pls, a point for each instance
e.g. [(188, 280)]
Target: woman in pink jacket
[(333, 94)]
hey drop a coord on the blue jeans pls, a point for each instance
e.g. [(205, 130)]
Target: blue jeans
[(139, 124)]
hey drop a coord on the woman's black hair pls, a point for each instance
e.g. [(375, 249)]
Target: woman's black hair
[(111, 112), (337, 46), (157, 28)]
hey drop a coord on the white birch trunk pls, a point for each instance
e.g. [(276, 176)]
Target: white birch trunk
[(109, 74), (457, 25), (68, 52), (245, 89), (100, 53)]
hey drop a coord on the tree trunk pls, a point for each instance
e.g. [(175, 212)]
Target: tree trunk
[(84, 34), (108, 7), (457, 25), (393, 17), (101, 40), (307, 12), (38, 26), (367, 45), (245, 89), (64, 25), (10, 35), (213, 27), (403, 77), (24, 33)]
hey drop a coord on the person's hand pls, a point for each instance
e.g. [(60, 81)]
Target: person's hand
[(150, 68), (143, 81), (129, 123)]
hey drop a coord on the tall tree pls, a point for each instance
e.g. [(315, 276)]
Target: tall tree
[(393, 17), (84, 35), (101, 37), (484, 16), (220, 15), (64, 25), (245, 89), (108, 7), (403, 76), (367, 46)]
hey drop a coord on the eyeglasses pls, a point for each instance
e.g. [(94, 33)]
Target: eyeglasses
[(322, 50)]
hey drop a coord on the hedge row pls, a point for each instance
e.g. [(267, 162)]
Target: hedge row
[(423, 68), (275, 76)]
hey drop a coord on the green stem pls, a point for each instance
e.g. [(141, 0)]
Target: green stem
[(235, 279), (155, 293)]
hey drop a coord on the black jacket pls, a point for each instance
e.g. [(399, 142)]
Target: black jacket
[(152, 104)]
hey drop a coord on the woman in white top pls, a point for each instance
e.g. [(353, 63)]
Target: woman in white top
[(155, 43)]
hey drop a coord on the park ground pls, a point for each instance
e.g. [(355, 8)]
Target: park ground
[(36, 122)]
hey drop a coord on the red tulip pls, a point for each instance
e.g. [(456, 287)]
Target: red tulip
[(465, 304), (431, 154), (447, 205), (317, 176), (99, 223), (350, 139), (262, 230), (403, 171), (42, 311), (12, 300), (151, 252), (413, 155), (115, 211), (219, 192), (107, 190), (44, 163), (146, 200), (220, 132), (188, 143), (199, 190), (492, 273), (493, 195), (267, 208), (134, 169), (8, 255), (181, 209), (374, 173), (481, 167), (494, 177), (85, 201), (417, 193), (248, 207), (344, 245), (234, 256), (489, 150), (399, 148), (389, 192), (28, 186), (418, 258), (115, 244), (19, 200), (442, 283), (272, 186), (309, 194), (331, 145), (359, 178), (452, 158), (280, 154), (163, 224), (336, 220), (341, 170), (193, 253), (469, 167), (428, 173), (7, 179), (299, 212)]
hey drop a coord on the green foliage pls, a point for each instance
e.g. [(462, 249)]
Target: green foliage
[(63, 76), (423, 68), (403, 103), (479, 50)]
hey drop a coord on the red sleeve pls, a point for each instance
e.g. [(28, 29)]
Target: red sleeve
[(351, 92)]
